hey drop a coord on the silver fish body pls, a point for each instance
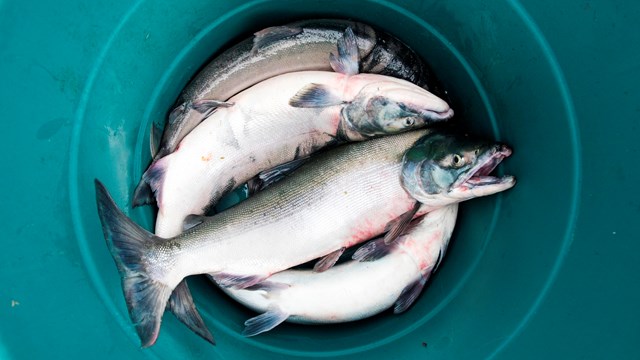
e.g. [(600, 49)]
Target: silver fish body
[(262, 129), (339, 199), (356, 289), (300, 46)]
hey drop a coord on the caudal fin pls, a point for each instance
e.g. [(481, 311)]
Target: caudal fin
[(146, 298)]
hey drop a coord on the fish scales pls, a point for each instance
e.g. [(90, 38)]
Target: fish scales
[(303, 210)]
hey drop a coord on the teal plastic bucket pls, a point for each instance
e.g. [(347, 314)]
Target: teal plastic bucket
[(527, 274)]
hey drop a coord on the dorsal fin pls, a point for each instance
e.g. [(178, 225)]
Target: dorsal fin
[(348, 60)]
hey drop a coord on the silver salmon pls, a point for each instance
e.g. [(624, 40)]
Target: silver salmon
[(299, 46), (279, 120), (378, 278), (341, 198)]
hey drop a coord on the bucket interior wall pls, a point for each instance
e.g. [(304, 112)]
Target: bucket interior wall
[(504, 83)]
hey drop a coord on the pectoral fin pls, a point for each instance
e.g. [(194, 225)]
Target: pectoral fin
[(373, 250), (409, 295), (264, 322), (273, 175), (207, 107), (328, 261), (315, 96), (401, 224)]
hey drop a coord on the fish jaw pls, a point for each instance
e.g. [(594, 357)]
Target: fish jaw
[(477, 182), (442, 169)]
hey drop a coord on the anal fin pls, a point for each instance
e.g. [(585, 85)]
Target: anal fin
[(264, 322), (409, 295), (155, 136), (151, 184), (268, 286), (192, 221), (236, 281), (182, 306)]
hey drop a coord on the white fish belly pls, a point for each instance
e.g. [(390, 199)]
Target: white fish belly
[(347, 292), (234, 144)]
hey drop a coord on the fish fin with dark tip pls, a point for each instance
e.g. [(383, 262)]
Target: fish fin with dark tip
[(182, 306), (272, 34), (409, 295), (328, 260), (207, 107), (275, 174), (373, 250), (146, 297), (254, 185), (401, 224), (169, 142), (151, 184), (315, 96), (192, 221), (264, 322), (236, 281), (268, 286), (438, 260), (347, 61), (143, 195), (155, 136)]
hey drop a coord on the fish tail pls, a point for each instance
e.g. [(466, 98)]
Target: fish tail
[(151, 184), (146, 297)]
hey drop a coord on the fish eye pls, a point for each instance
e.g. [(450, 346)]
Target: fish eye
[(409, 121), (476, 152), (457, 160)]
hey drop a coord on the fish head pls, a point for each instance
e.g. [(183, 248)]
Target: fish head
[(442, 169), (393, 106)]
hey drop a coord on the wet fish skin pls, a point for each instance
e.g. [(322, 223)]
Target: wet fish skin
[(356, 289), (263, 128), (306, 49), (343, 197), (443, 167)]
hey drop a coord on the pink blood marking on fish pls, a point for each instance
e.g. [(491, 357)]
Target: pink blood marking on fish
[(423, 250), (358, 235), (371, 228)]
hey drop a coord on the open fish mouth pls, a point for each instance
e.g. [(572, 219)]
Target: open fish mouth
[(479, 175)]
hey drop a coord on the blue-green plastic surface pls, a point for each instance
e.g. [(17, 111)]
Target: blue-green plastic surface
[(548, 269)]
